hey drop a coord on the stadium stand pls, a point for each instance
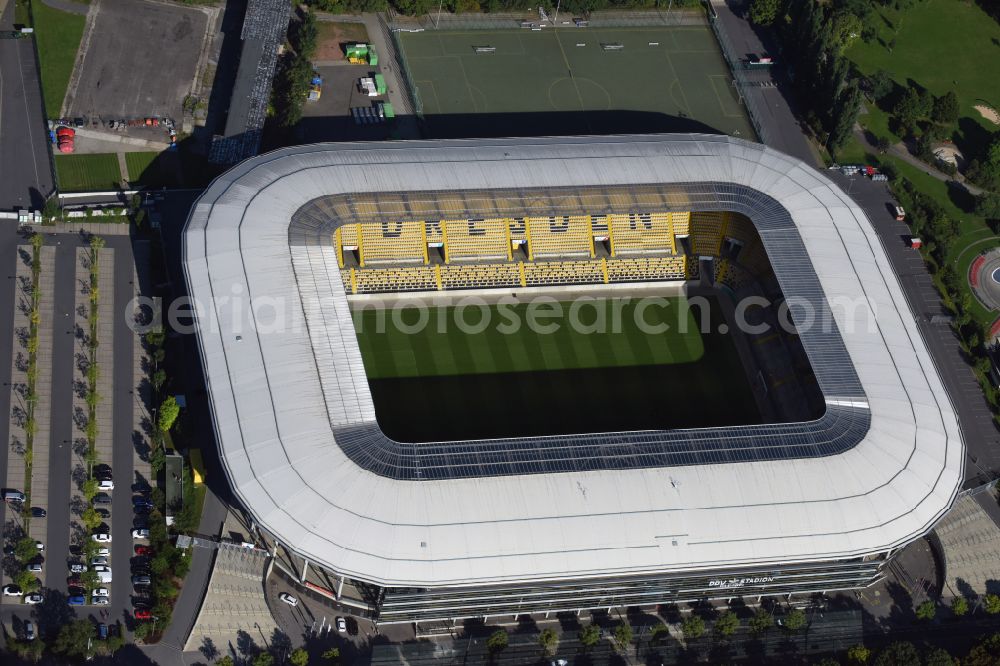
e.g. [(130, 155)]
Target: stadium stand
[(480, 276), (707, 230), (562, 236), (478, 253), (402, 242), (639, 269), (476, 240), (544, 273), (636, 233)]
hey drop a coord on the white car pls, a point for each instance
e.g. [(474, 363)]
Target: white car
[(76, 567), (139, 534), (101, 592), (40, 546), (35, 567), (100, 601), (106, 484), (104, 552), (288, 599), (11, 591), (102, 537), (341, 625), (32, 599), (99, 560)]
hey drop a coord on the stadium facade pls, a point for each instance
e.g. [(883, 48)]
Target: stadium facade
[(449, 530)]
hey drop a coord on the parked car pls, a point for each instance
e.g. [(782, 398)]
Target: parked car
[(103, 513), (35, 567), (142, 614), (73, 581), (341, 625), (76, 601), (11, 591), (143, 550), (288, 599), (29, 630), (38, 512), (33, 598), (102, 631), (100, 601), (141, 581), (106, 484), (100, 559), (104, 552), (40, 546), (102, 498), (77, 567), (101, 592), (137, 534), (102, 537)]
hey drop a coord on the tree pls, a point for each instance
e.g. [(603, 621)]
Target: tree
[(27, 581), (299, 657), (763, 12), (25, 550), (727, 624), (926, 610), (590, 636), (51, 209), (760, 622), (897, 653), (623, 635), (959, 606), (27, 650), (945, 109), (858, 654), (880, 83), (693, 627), (548, 640), (659, 633), (991, 604), (908, 110), (332, 655), (883, 144), (263, 659), (224, 661), (848, 105), (938, 657), (498, 641), (159, 379), (75, 639), (169, 411), (988, 205), (795, 620)]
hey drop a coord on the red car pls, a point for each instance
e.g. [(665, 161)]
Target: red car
[(143, 550), (141, 614), (73, 582)]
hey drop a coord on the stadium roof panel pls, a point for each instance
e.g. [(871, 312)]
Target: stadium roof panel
[(296, 427)]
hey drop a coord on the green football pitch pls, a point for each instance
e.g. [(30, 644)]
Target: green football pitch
[(431, 380), (564, 81), (526, 337)]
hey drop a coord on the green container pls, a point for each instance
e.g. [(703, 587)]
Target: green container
[(380, 84), (372, 56), (388, 111)]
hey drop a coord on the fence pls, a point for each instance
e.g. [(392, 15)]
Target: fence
[(744, 87), (399, 55)]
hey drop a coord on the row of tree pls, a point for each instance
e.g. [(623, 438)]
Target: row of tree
[(76, 640), (418, 7), (814, 37), (295, 72)]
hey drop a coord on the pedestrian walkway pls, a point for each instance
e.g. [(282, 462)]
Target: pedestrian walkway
[(971, 543)]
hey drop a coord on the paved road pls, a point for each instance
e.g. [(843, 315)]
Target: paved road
[(25, 167), (9, 240)]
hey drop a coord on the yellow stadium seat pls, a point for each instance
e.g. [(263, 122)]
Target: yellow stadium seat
[(559, 236), (480, 240)]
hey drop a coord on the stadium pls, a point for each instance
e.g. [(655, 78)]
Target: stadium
[(428, 475)]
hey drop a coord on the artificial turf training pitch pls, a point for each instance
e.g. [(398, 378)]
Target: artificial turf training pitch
[(526, 337), (432, 383), (566, 81)]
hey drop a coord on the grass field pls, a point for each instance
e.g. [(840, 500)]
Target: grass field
[(942, 45), (450, 350), (452, 385), (88, 173), (561, 82), (152, 169), (58, 37)]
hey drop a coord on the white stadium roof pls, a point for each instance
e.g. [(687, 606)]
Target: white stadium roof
[(295, 423)]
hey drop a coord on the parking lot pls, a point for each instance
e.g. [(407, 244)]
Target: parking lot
[(72, 445), (330, 119), (139, 59)]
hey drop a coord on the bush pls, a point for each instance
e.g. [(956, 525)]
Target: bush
[(549, 641), (991, 604), (693, 627), (959, 606), (498, 641), (727, 624), (623, 635), (926, 610)]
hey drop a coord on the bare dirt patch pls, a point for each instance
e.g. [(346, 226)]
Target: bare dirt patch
[(333, 35), (988, 112), (948, 153)]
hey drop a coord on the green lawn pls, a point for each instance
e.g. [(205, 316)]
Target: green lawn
[(88, 173), (942, 45), (429, 386), (151, 169), (579, 338), (58, 37)]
